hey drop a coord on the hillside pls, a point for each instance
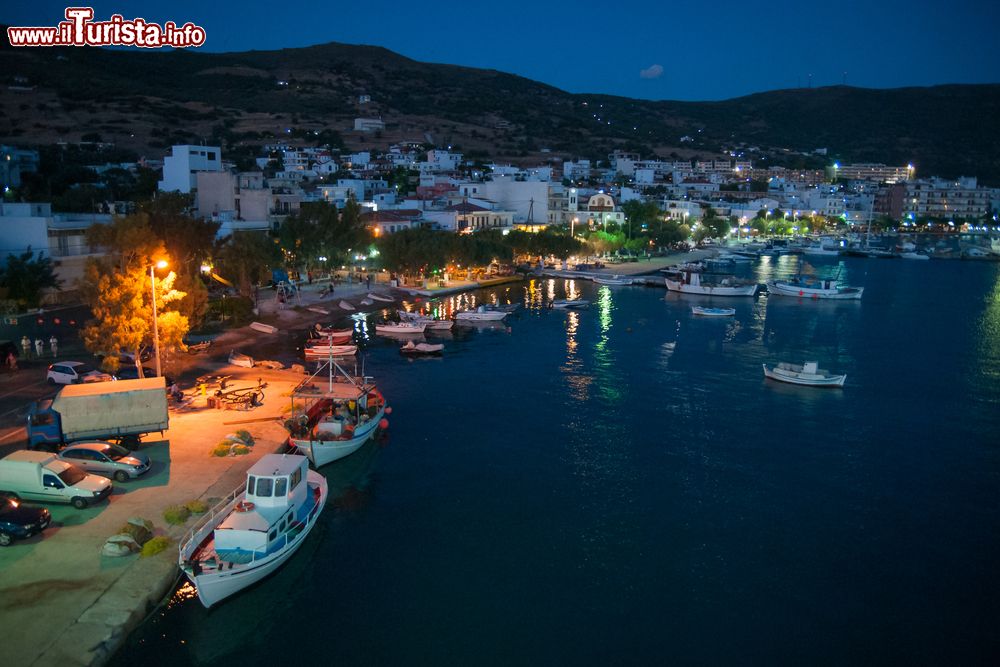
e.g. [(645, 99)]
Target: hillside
[(146, 101)]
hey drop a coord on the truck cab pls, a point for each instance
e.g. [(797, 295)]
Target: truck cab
[(44, 428)]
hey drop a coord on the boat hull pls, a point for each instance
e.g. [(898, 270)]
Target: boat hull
[(214, 587), (795, 378), (844, 293), (706, 290), (322, 452), (713, 312), (473, 316)]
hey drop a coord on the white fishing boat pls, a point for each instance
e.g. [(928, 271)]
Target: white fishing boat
[(326, 350), (240, 359), (263, 328), (255, 529), (430, 324), (613, 280), (480, 314), (421, 348), (712, 312), (807, 374), (334, 421), (401, 327), (812, 288), (687, 281), (572, 304), (346, 305), (914, 255), (379, 297)]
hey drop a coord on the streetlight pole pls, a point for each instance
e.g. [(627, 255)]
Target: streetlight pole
[(156, 332)]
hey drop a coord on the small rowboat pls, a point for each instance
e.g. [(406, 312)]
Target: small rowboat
[(713, 312), (401, 327), (807, 374), (379, 297), (330, 350), (346, 305), (570, 303), (421, 348), (240, 359), (263, 328), (613, 280), (366, 302)]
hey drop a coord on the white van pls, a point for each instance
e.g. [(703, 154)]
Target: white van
[(42, 476)]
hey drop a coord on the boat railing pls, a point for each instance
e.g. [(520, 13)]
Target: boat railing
[(206, 524)]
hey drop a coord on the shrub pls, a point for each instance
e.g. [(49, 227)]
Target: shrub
[(175, 515), (246, 437), (155, 546), (240, 450), (196, 506), (222, 449), (139, 530)]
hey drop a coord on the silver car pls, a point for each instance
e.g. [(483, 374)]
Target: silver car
[(105, 458)]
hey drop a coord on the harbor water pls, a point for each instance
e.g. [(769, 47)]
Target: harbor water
[(621, 485)]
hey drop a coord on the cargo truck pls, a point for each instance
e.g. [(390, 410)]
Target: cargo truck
[(121, 411)]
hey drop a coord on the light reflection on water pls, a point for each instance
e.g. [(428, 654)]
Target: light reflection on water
[(596, 463)]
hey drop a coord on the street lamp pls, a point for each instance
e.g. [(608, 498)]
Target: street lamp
[(162, 264)]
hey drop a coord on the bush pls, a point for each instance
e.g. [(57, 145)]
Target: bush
[(155, 546), (240, 450), (222, 449), (196, 506), (175, 515), (246, 437)]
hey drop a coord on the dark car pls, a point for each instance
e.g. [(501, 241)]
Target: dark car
[(19, 521), (130, 372)]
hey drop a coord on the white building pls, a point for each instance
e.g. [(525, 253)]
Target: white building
[(368, 124), (184, 162)]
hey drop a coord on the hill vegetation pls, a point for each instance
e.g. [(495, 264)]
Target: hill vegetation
[(144, 102)]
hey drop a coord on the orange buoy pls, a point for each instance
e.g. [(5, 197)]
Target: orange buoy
[(244, 506), (383, 423)]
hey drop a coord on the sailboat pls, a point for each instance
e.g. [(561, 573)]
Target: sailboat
[(336, 420)]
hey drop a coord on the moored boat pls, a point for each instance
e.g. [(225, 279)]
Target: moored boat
[(712, 312), (613, 280), (421, 348), (430, 324), (807, 288), (401, 327), (255, 529), (263, 328), (326, 350), (686, 281), (333, 422), (572, 304), (346, 305), (379, 297), (480, 314), (808, 374)]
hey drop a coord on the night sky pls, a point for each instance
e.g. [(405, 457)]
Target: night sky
[(653, 49)]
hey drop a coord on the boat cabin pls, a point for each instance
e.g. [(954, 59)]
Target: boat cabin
[(276, 485)]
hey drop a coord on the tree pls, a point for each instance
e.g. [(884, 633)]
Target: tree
[(25, 276), (639, 213), (117, 288), (246, 258)]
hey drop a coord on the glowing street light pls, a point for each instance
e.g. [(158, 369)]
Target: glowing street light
[(162, 264)]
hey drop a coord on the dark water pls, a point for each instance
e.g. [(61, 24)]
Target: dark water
[(574, 491)]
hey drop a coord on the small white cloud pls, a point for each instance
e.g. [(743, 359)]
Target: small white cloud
[(651, 72)]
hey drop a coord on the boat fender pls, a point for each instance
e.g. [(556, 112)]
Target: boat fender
[(383, 423), (244, 506), (388, 410)]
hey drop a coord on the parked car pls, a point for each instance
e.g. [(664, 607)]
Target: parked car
[(18, 521), (132, 373), (74, 372), (40, 476), (106, 459)]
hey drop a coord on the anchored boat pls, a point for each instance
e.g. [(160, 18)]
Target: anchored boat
[(333, 422), (687, 281), (713, 312), (255, 529), (807, 288), (807, 374)]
